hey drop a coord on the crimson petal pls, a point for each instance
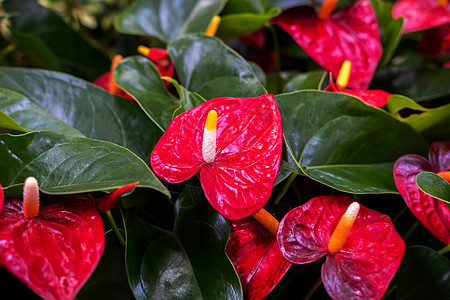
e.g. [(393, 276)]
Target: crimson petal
[(110, 200), (432, 213), (420, 14), (249, 142), (254, 252), (349, 33), (435, 42), (103, 82), (56, 252)]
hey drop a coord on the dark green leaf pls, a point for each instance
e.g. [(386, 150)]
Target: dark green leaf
[(188, 100), (138, 77), (244, 6), (189, 263), (109, 279), (338, 140), (70, 48), (30, 115), (65, 164), (305, 81), (434, 185), (234, 25), (8, 123), (423, 274), (207, 66), (94, 112), (390, 29), (167, 20)]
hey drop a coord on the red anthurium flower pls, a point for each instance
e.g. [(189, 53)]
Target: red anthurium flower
[(432, 213), (377, 98), (161, 59), (53, 248), (110, 200), (106, 81), (421, 14), (236, 145), (347, 33), (435, 42), (362, 246), (254, 252)]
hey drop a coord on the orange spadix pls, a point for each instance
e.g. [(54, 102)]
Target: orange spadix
[(213, 26), (113, 88), (209, 137), (445, 175), (342, 230), (145, 51), (344, 74), (326, 8), (443, 3), (267, 220), (31, 198)]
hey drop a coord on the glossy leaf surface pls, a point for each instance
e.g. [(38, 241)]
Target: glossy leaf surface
[(432, 213), (92, 111), (70, 48), (167, 20), (349, 33), (249, 142), (188, 263), (368, 259), (254, 252), (305, 81), (434, 186), (70, 164), (207, 66), (421, 14), (63, 244), (344, 159), (139, 77), (423, 274)]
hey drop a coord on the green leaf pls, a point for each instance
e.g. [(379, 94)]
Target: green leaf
[(434, 185), (138, 77), (390, 29), (73, 51), (109, 279), (189, 263), (207, 66), (234, 25), (305, 81), (30, 115), (167, 20), (188, 100), (65, 164), (428, 121), (244, 6), (92, 111), (8, 123), (338, 140), (423, 274)]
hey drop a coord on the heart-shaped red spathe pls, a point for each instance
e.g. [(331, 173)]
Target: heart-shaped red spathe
[(368, 260), (249, 142), (104, 81), (56, 252), (254, 252), (350, 33), (376, 98), (421, 14), (432, 213)]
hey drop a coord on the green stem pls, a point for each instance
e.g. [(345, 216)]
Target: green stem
[(404, 209), (115, 228), (285, 188), (313, 289), (276, 50), (411, 230), (444, 250)]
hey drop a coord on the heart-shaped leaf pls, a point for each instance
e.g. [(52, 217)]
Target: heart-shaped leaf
[(369, 257), (350, 33), (207, 66), (167, 20), (254, 252), (423, 274), (71, 164), (344, 159), (421, 14), (70, 48), (30, 115), (305, 81), (433, 185), (247, 154), (54, 253), (432, 213), (92, 111), (188, 263), (138, 77)]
